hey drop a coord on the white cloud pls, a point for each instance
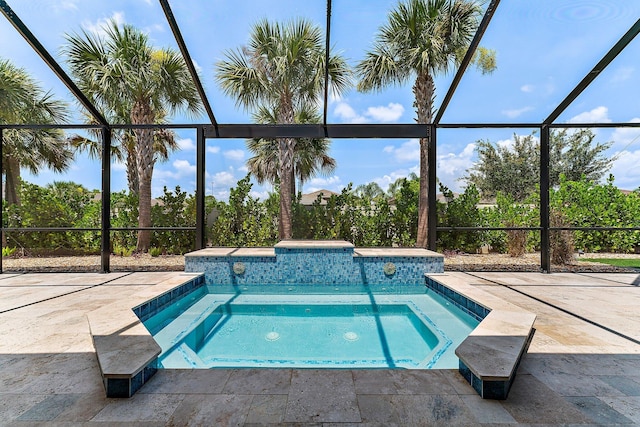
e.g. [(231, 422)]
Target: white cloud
[(244, 169), (527, 88), (379, 114), (236, 155), (333, 183), (262, 195), (66, 5), (408, 151), (516, 112), (186, 144), (181, 169), (389, 114), (508, 143), (99, 26), (222, 180), (505, 143), (626, 170), (385, 180), (348, 114), (455, 165), (597, 115), (214, 149), (623, 137), (155, 28)]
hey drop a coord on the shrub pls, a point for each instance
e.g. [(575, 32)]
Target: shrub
[(155, 251), (123, 250), (461, 211), (560, 241), (508, 213), (516, 242), (7, 251)]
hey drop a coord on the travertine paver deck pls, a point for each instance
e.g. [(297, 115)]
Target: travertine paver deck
[(576, 372)]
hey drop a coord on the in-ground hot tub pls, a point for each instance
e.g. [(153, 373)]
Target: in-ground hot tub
[(311, 304), (413, 330)]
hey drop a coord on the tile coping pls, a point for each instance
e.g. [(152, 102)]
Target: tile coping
[(271, 252)]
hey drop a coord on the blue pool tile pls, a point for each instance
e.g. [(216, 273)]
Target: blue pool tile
[(465, 371), (476, 383), (137, 381), (495, 389), (164, 299), (118, 387)]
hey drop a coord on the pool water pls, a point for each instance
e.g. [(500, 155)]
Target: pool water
[(355, 330)]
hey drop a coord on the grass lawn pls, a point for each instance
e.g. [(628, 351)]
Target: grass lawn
[(618, 262)]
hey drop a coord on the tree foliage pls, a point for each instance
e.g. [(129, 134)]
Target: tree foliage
[(387, 221), (461, 211), (23, 101), (311, 155), (281, 71), (514, 169), (421, 40), (126, 77)]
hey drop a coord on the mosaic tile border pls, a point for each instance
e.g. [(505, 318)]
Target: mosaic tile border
[(151, 307), (311, 266), (469, 306)]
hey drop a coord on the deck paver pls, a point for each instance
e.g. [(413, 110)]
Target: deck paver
[(575, 373)]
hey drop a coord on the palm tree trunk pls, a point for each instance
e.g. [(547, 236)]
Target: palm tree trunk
[(286, 150), (285, 154), (424, 92), (132, 169), (12, 184), (141, 113)]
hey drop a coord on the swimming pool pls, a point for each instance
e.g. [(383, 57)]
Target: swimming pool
[(350, 327)]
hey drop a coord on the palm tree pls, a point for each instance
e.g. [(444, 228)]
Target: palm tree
[(310, 154), (282, 70), (422, 39), (121, 73), (371, 190), (22, 101), (124, 150)]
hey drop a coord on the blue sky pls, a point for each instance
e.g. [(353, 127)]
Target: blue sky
[(544, 48)]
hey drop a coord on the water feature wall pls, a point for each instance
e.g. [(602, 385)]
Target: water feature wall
[(314, 262)]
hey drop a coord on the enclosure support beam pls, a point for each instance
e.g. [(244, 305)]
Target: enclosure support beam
[(327, 39), (1, 196), (105, 244), (200, 205), (545, 252), (432, 216)]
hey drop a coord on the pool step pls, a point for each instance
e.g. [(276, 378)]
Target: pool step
[(490, 355), (127, 356), (127, 353)]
